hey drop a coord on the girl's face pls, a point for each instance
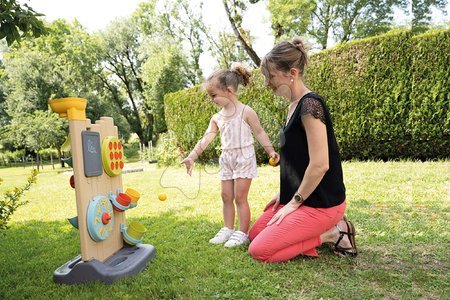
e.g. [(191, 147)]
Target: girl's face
[(219, 96), (278, 81)]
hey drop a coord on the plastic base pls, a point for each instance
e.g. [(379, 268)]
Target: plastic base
[(127, 261)]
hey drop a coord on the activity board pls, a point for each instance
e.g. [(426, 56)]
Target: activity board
[(97, 161)]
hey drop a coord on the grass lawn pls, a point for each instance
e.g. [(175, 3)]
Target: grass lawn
[(400, 210)]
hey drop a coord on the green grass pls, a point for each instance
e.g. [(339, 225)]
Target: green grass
[(400, 210)]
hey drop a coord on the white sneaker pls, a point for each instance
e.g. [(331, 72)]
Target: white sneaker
[(222, 236), (238, 238)]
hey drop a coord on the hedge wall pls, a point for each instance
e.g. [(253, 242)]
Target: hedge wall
[(388, 96)]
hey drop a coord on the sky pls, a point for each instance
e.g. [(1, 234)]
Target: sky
[(95, 15)]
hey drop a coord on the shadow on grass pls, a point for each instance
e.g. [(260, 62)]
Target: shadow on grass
[(188, 267)]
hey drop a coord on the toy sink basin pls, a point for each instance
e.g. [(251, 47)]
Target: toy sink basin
[(72, 108)]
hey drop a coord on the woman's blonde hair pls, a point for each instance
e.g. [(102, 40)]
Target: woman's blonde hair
[(286, 55), (233, 77)]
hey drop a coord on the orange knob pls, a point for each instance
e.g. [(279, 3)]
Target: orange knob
[(105, 218)]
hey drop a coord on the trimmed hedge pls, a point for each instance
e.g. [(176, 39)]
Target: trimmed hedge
[(388, 96)]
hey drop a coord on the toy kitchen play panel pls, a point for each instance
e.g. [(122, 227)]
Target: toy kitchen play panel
[(97, 159)]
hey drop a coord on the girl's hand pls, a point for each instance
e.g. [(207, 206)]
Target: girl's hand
[(275, 201), (189, 162), (283, 212)]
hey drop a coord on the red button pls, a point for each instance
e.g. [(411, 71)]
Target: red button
[(111, 156), (110, 145), (112, 166), (105, 218), (72, 181), (115, 145), (121, 164)]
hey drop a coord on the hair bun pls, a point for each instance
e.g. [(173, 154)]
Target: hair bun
[(242, 71), (298, 43)]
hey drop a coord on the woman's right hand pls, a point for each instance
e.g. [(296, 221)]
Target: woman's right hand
[(275, 202), (189, 162)]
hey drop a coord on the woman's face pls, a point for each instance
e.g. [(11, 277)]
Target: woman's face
[(278, 81)]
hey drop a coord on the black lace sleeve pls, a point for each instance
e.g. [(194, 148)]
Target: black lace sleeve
[(313, 107)]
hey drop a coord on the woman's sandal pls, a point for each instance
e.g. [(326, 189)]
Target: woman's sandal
[(352, 251)]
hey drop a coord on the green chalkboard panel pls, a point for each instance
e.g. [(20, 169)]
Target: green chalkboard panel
[(92, 159)]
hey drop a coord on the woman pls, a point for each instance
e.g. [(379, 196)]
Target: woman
[(309, 210)]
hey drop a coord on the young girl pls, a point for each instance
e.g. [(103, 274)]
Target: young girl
[(236, 122)]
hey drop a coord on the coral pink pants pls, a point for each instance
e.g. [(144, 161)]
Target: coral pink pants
[(298, 233)]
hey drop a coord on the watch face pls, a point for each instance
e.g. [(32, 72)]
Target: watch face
[(298, 198)]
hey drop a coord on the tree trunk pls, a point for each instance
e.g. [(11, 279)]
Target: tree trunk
[(60, 157), (37, 161), (246, 44)]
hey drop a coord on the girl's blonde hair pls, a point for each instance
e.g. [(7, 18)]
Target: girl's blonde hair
[(233, 77), (286, 55)]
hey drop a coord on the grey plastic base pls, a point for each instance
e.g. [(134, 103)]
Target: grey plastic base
[(127, 261)]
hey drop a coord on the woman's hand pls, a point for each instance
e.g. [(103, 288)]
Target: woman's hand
[(275, 202), (283, 212), (189, 162)]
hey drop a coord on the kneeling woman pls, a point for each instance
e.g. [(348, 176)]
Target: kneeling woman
[(309, 210)]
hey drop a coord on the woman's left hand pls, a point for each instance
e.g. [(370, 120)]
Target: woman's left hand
[(283, 212)]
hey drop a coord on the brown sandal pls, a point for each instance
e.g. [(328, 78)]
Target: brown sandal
[(352, 251)]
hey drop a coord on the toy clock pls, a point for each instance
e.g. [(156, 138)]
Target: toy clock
[(112, 156), (100, 218)]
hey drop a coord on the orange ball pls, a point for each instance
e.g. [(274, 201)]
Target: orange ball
[(162, 197), (273, 162)]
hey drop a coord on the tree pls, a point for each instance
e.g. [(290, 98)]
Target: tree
[(122, 78), (235, 9), (163, 72), (60, 64), (17, 22), (65, 62), (227, 49), (35, 131), (342, 20), (363, 18), (175, 22), (3, 115), (421, 13), (289, 18)]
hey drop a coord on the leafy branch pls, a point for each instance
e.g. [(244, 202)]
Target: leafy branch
[(11, 200)]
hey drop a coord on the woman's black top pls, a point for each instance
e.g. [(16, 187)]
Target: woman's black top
[(295, 157)]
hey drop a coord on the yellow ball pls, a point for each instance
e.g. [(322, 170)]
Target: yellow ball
[(162, 197), (272, 162)]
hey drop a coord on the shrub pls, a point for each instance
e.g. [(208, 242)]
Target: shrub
[(167, 152), (131, 150), (11, 200)]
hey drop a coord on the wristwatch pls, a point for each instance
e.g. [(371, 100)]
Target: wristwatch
[(298, 198)]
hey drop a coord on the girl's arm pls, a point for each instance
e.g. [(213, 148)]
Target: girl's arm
[(202, 144), (252, 119)]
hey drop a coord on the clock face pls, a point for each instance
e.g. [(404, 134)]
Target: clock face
[(112, 156), (100, 218)]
